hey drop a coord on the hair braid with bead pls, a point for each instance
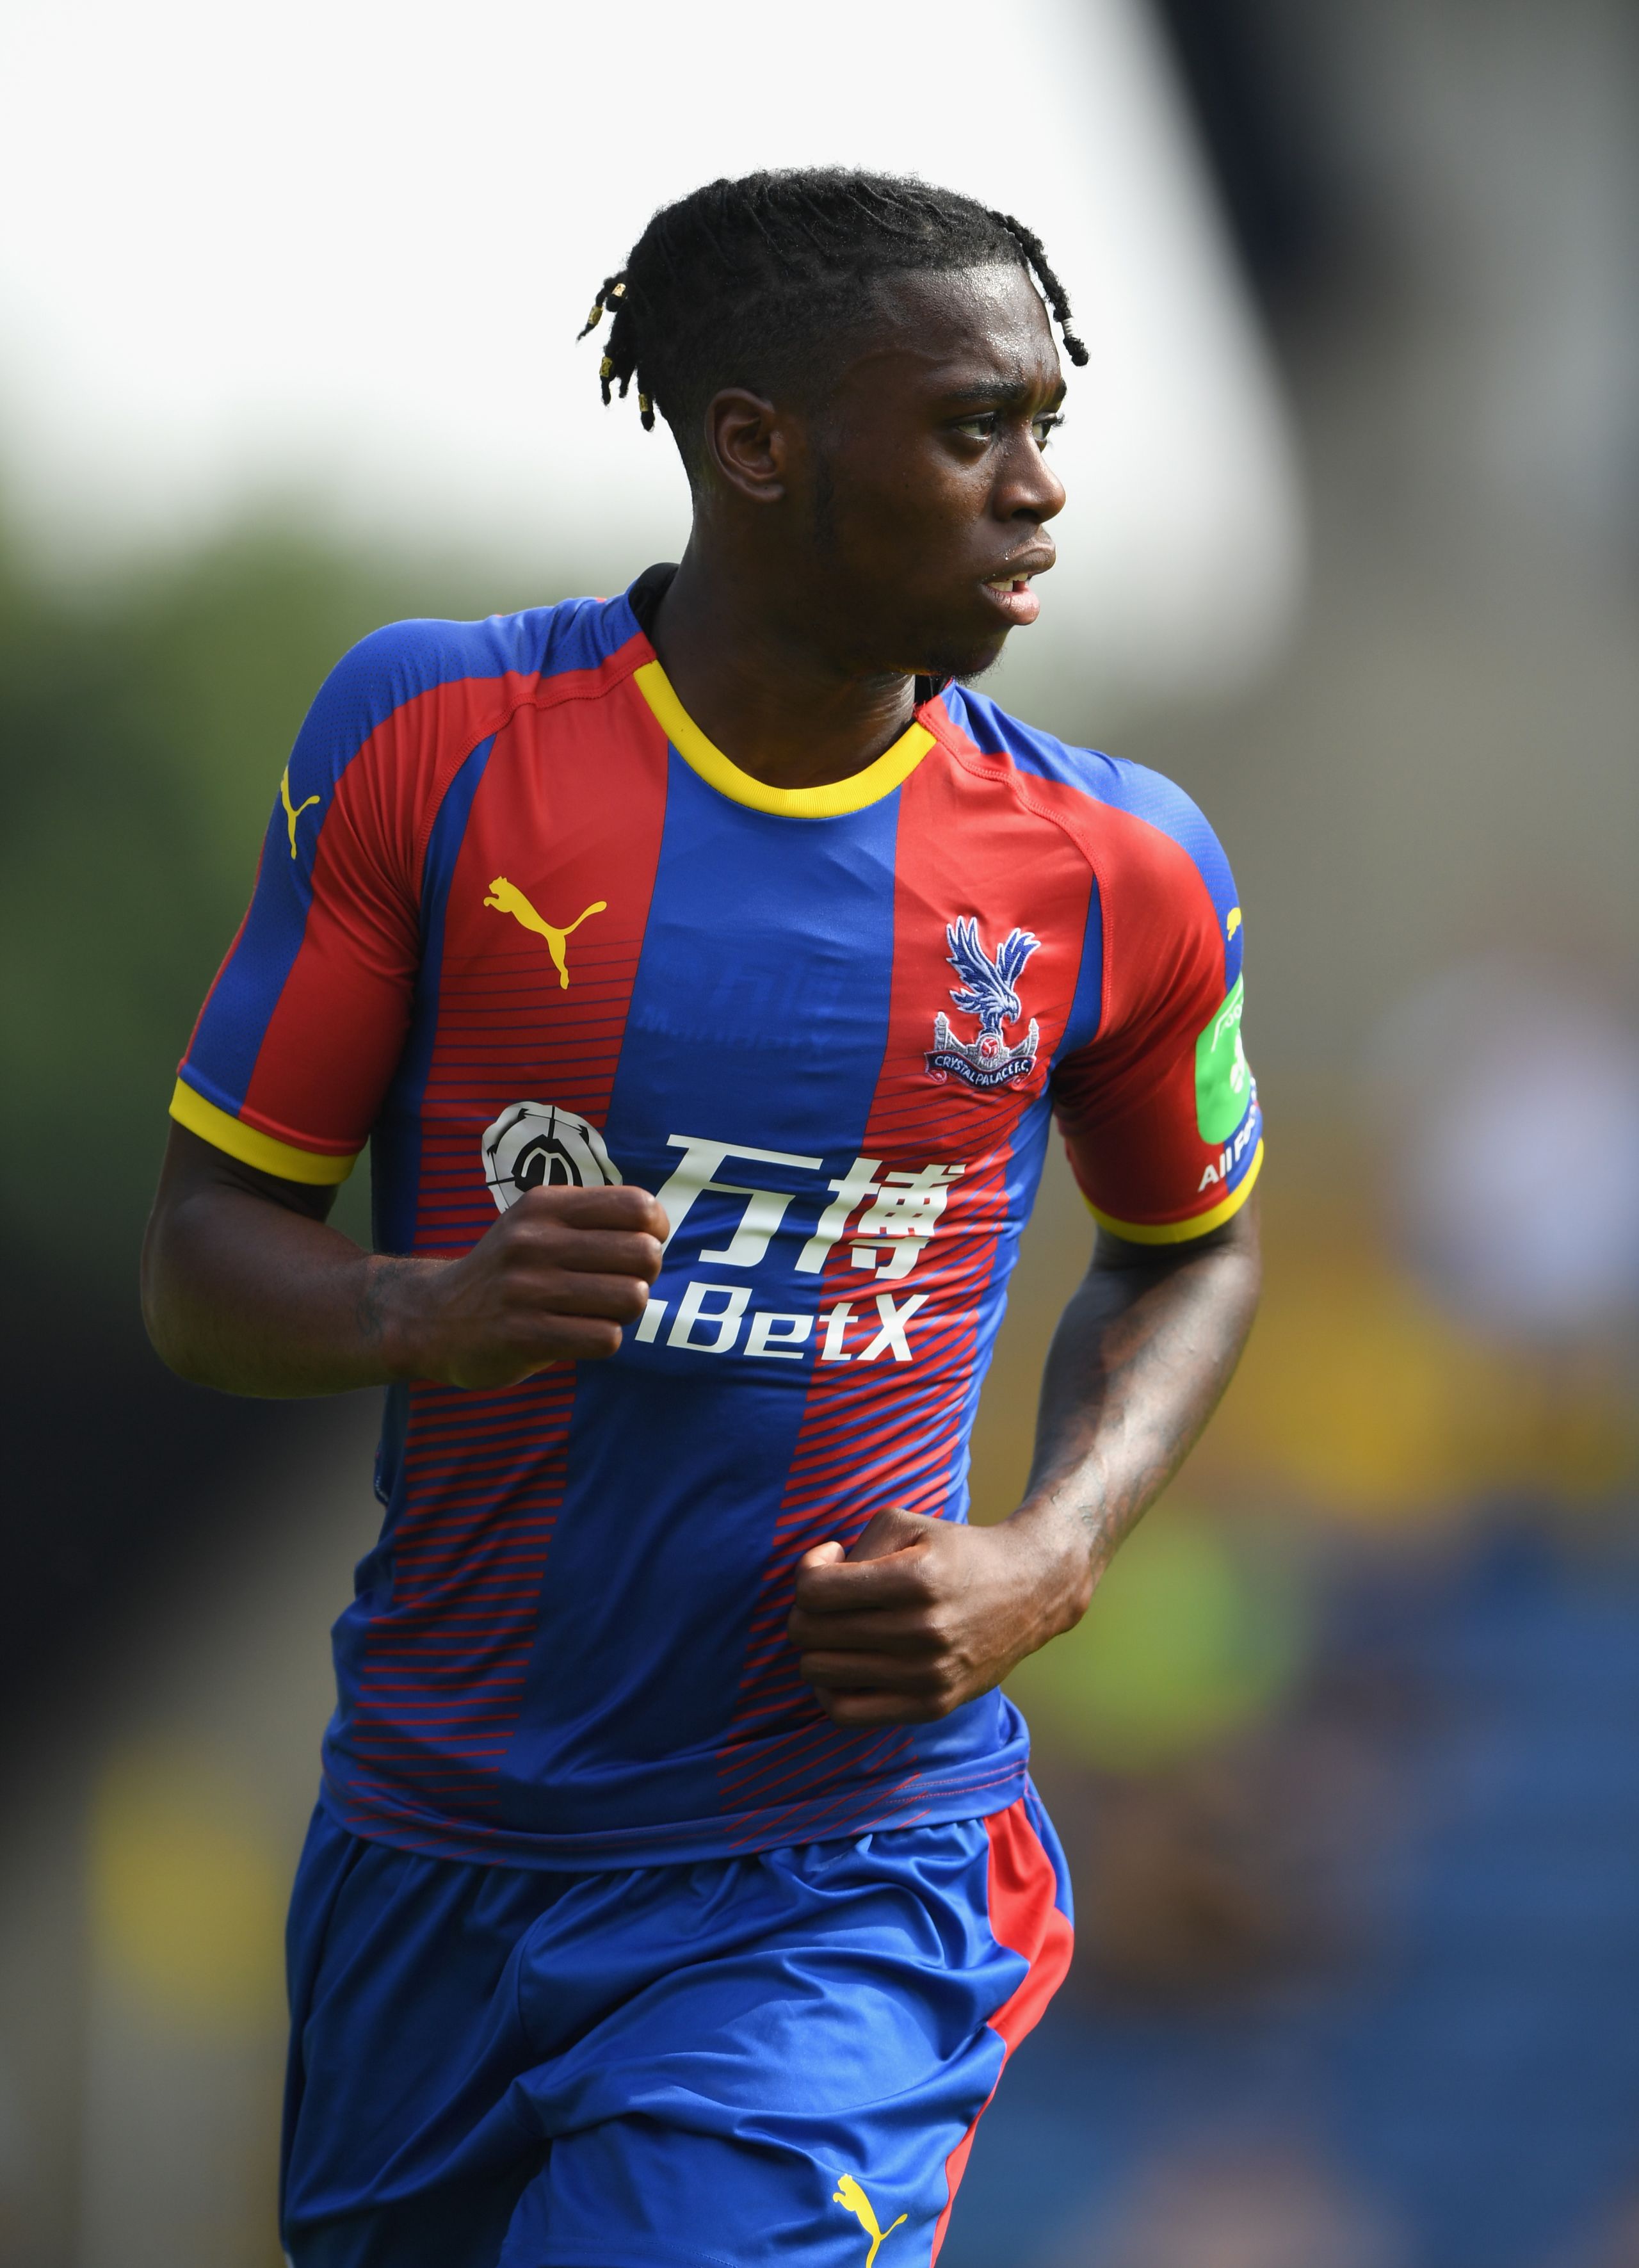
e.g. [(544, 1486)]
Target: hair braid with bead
[(755, 282)]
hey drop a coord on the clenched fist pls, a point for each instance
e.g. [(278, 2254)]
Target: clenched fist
[(923, 1614), (553, 1281)]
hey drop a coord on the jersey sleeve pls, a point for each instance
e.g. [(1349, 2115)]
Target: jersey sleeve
[(303, 1027), (1159, 1109)]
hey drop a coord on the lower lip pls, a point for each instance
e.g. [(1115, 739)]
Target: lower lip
[(1020, 604)]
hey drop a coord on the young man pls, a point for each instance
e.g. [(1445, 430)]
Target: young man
[(676, 1891)]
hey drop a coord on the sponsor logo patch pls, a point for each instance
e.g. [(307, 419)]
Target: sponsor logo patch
[(1223, 1076), (886, 1219)]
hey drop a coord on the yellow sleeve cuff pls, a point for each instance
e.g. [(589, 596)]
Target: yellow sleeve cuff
[(1180, 1232), (252, 1147)]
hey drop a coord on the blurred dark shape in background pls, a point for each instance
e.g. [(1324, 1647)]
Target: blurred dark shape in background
[(1346, 1754), (1247, 71)]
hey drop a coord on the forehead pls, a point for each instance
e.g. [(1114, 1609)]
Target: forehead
[(938, 332)]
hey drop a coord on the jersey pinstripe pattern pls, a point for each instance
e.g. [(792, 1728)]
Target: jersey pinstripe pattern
[(509, 895)]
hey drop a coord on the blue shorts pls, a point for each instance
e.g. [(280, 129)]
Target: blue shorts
[(779, 2058)]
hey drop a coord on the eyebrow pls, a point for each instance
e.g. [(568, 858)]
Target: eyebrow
[(1004, 391)]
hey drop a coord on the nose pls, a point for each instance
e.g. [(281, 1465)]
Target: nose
[(1030, 488)]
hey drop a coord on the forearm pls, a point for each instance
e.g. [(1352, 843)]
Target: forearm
[(246, 1288), (1140, 1361), (245, 1296), (920, 1613)]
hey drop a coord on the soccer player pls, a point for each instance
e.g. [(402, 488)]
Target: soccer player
[(703, 967)]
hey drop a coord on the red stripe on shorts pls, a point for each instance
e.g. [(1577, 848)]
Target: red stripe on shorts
[(1024, 1917)]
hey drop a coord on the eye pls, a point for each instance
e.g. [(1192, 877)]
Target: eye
[(977, 428), (1045, 427)]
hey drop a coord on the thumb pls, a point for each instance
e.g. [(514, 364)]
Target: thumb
[(822, 1554), (891, 1529)]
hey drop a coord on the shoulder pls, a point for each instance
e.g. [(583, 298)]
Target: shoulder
[(1139, 829), (432, 680), (404, 661)]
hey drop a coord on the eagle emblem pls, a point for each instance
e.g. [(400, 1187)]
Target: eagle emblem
[(987, 990)]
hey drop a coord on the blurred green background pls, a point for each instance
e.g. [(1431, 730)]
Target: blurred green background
[(142, 718)]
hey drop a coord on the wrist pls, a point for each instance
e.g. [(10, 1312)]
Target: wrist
[(1063, 1574), (394, 1318)]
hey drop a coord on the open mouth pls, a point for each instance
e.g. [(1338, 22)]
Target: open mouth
[(1012, 593)]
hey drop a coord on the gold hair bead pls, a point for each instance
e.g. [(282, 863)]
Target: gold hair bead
[(606, 368), (617, 291), (643, 403), (596, 316)]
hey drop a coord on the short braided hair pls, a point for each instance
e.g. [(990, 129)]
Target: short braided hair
[(748, 282)]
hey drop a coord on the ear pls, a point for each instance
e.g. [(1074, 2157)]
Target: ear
[(749, 444)]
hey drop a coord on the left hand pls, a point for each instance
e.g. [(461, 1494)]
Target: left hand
[(923, 1615)]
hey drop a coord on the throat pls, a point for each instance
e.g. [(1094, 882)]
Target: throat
[(778, 713)]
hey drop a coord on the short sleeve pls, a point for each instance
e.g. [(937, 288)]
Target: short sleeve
[(1159, 1108), (301, 1031)]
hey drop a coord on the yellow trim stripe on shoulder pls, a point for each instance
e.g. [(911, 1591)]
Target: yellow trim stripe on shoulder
[(1180, 1232), (889, 770), (252, 1147)]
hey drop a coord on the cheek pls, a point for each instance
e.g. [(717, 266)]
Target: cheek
[(910, 523)]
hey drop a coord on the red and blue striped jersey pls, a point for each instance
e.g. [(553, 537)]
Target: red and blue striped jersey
[(518, 922)]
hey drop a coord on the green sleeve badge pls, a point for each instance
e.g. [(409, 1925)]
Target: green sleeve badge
[(1223, 1076)]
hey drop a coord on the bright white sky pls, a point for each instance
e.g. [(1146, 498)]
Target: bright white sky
[(341, 247)]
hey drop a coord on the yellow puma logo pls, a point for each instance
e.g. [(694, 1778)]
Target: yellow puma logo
[(848, 2192), (292, 812), (1233, 922), (507, 898)]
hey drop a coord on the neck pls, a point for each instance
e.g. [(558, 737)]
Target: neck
[(759, 691)]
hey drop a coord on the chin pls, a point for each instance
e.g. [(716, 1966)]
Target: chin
[(976, 670), (963, 661)]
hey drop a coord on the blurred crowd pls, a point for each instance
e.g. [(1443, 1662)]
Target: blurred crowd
[(1346, 1754)]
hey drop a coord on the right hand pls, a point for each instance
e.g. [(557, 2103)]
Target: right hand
[(552, 1281)]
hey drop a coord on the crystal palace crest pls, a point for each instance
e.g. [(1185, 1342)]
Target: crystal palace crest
[(987, 991)]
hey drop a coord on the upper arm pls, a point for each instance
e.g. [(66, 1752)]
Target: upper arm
[(199, 1222), (1158, 1107), (194, 1168), (300, 1033), (1240, 1234)]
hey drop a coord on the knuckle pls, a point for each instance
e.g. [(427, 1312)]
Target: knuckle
[(524, 1240)]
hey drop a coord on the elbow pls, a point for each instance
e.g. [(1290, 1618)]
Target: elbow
[(1250, 1252), (1245, 1250), (163, 1308)]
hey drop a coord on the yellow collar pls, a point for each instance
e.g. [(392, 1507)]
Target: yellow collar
[(895, 766)]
